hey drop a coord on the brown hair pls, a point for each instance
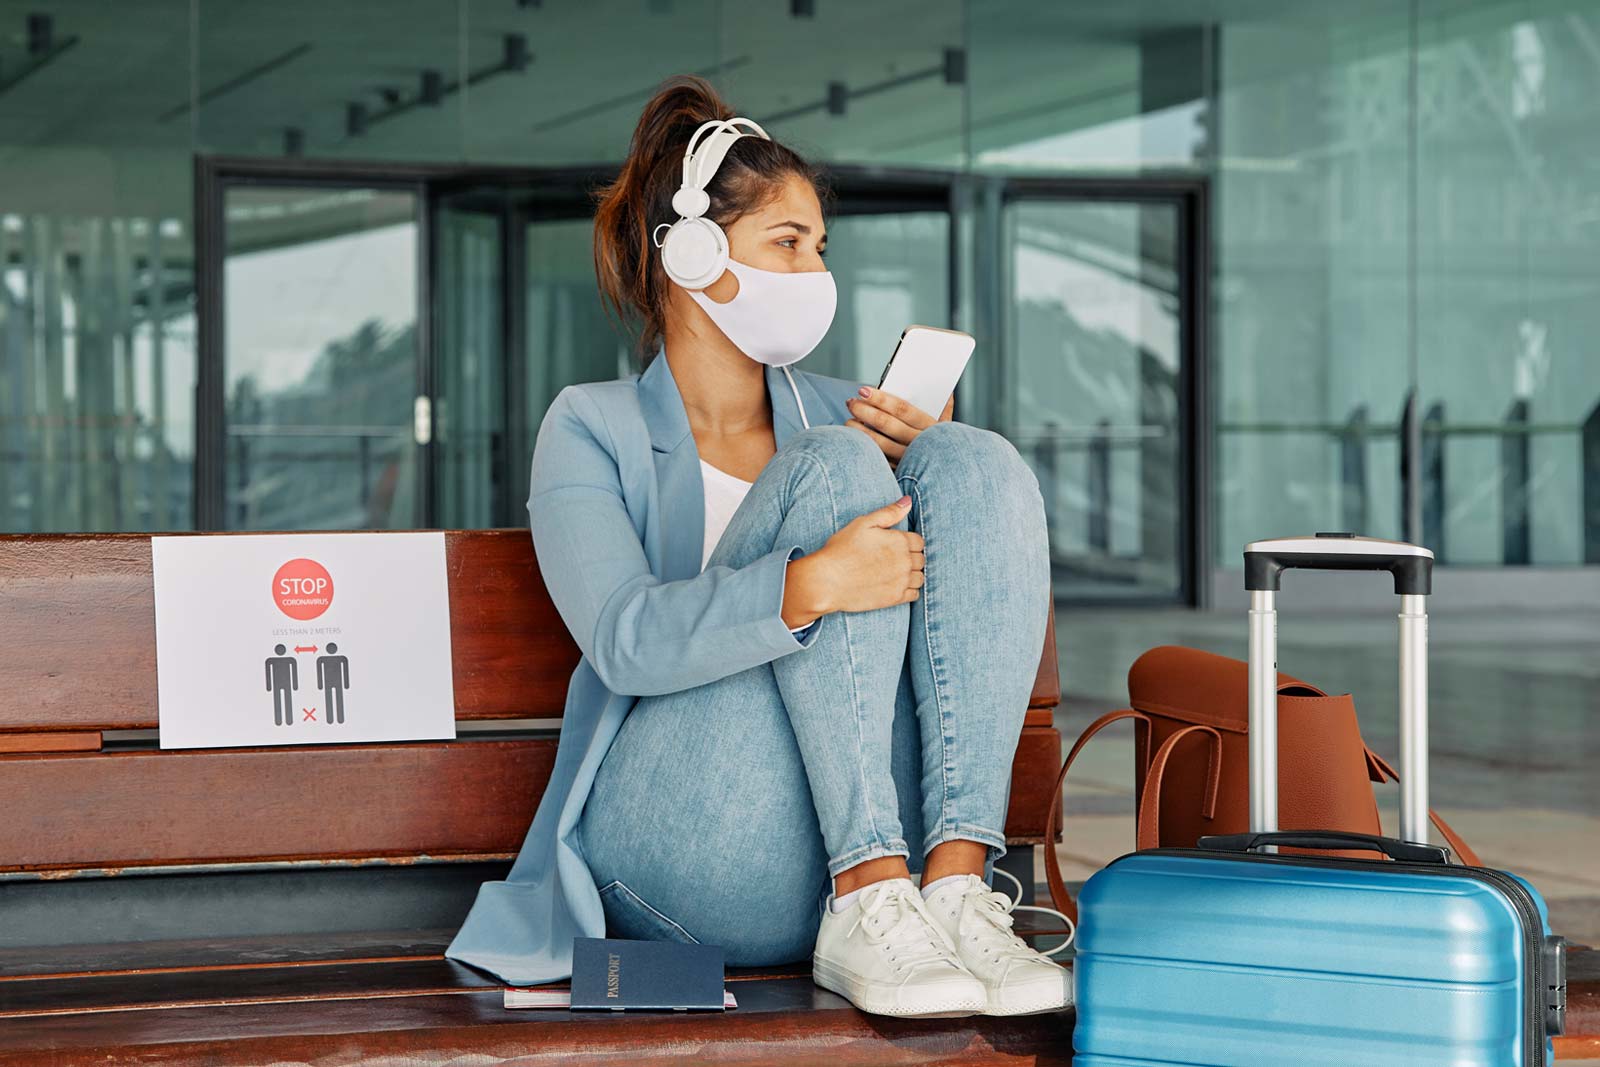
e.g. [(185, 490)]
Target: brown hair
[(626, 262)]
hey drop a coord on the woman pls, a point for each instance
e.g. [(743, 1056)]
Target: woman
[(769, 714)]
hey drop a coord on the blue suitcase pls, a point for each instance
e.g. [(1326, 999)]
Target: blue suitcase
[(1234, 955)]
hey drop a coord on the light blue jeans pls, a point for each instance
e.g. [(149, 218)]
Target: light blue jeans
[(721, 813)]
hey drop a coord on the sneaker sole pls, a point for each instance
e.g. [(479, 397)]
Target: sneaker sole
[(1000, 1005), (855, 989)]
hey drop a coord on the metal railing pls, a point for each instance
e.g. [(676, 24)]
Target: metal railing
[(1045, 448), (1515, 433), (257, 473)]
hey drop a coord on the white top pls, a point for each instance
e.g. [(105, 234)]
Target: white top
[(723, 493)]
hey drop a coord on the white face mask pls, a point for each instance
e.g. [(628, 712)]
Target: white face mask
[(777, 317)]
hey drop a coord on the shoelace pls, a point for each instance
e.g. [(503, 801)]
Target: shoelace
[(996, 907), (932, 950)]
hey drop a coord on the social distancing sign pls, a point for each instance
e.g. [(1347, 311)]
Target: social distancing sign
[(290, 639)]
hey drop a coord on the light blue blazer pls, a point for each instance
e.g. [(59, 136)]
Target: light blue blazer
[(617, 512)]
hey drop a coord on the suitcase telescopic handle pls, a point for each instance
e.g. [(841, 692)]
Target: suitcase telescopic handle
[(1412, 568), (1411, 565), (1328, 839)]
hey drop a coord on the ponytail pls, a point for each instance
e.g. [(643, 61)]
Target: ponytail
[(626, 262)]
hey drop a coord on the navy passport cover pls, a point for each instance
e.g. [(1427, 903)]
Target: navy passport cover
[(613, 974)]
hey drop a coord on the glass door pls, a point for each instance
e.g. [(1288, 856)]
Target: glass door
[(467, 379), (320, 358), (1099, 329), (564, 334)]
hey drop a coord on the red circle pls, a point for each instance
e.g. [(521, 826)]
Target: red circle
[(302, 589)]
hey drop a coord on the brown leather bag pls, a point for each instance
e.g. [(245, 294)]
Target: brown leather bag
[(1192, 760)]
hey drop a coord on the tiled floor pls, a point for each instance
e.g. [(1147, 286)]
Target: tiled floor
[(1514, 707)]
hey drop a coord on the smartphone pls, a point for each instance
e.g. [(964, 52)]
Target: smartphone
[(926, 365)]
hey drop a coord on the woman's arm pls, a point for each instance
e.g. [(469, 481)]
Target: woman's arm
[(642, 635)]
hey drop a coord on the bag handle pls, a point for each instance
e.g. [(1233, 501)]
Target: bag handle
[(1059, 897), (1385, 772), (1149, 828)]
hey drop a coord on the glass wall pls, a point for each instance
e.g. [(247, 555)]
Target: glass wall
[(1314, 360), (1507, 295), (1087, 87), (97, 328), (1405, 291)]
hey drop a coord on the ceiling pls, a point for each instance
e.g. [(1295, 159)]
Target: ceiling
[(127, 91)]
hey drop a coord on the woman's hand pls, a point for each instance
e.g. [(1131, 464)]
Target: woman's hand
[(892, 421), (867, 564)]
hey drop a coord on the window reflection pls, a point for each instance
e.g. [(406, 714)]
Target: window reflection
[(97, 345), (1095, 342), (321, 364)]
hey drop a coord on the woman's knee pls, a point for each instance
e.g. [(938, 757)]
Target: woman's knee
[(968, 459), (853, 466), (837, 445)]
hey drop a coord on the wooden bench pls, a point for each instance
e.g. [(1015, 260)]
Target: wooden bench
[(290, 903)]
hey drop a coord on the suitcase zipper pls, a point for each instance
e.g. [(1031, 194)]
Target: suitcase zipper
[(1534, 1007)]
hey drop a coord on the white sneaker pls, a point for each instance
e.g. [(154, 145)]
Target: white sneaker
[(886, 955), (1018, 978)]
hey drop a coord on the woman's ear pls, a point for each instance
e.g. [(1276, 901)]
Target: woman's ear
[(724, 288)]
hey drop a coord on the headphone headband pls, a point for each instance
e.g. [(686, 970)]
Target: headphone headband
[(700, 166), (694, 250)]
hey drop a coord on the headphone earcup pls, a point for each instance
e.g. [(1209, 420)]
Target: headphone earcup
[(694, 252)]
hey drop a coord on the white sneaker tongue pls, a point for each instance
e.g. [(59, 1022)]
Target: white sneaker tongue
[(929, 953)]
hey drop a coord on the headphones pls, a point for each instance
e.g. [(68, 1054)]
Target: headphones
[(694, 251)]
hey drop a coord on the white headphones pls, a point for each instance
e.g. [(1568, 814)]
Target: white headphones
[(694, 251)]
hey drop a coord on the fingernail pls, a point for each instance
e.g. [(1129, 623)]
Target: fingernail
[(903, 501), (864, 391)]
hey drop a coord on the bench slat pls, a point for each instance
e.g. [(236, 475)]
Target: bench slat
[(52, 741), (405, 801), (317, 802), (325, 981), (212, 953), (785, 1019), (77, 621)]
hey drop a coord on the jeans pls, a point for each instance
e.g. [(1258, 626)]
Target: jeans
[(721, 813)]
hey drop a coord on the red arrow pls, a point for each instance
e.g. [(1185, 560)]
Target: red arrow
[(297, 648)]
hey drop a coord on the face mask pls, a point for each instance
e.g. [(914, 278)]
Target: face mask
[(777, 317)]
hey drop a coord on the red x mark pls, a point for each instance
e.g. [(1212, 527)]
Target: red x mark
[(311, 713)]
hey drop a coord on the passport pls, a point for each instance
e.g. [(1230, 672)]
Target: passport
[(613, 974)]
